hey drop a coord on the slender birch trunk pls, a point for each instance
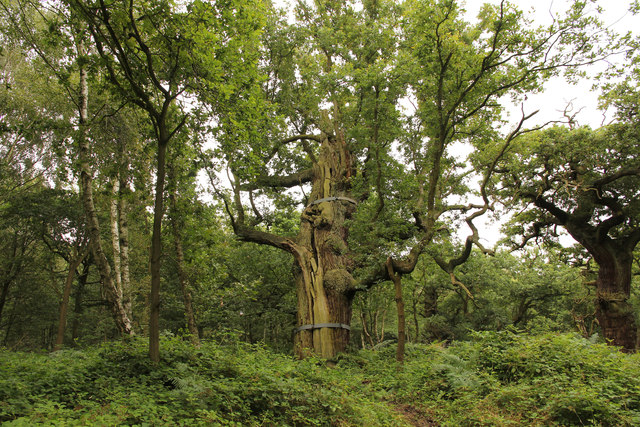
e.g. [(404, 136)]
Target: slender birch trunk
[(115, 233), (109, 288), (124, 249)]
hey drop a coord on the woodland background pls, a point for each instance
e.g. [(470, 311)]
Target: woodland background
[(184, 185)]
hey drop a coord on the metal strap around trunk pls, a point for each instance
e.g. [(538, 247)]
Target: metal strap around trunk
[(324, 325)]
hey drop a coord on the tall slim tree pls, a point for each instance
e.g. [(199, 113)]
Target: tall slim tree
[(155, 53), (181, 183), (57, 39)]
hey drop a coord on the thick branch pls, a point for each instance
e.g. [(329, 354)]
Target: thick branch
[(449, 266), (603, 228), (632, 240), (249, 234), (303, 138), (542, 203), (634, 171), (286, 181)]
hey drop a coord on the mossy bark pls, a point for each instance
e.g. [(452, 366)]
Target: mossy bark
[(614, 257), (397, 285), (323, 265), (614, 312)]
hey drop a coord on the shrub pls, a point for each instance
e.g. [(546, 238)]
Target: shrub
[(226, 385), (498, 378)]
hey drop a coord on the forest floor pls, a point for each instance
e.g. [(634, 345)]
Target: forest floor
[(414, 417), (498, 379)]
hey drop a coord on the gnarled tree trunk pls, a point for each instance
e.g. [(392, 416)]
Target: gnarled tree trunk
[(325, 286), (613, 285)]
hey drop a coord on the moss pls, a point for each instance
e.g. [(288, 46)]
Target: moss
[(336, 244), (612, 296), (338, 280), (615, 304)]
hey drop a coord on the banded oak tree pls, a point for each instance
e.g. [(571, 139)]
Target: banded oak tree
[(374, 178)]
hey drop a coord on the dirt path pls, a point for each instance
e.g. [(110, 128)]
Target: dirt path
[(414, 416)]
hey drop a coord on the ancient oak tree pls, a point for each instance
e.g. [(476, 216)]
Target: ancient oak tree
[(588, 182), (358, 108)]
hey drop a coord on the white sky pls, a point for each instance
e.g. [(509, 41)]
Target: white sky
[(558, 93)]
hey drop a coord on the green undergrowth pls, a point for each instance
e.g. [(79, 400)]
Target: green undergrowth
[(496, 379), (509, 379), (240, 385)]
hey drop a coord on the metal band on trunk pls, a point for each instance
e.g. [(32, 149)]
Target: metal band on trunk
[(323, 325)]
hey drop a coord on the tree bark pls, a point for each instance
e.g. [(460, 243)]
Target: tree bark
[(322, 263), (414, 306), (365, 331), (614, 312), (124, 251), (613, 285), (115, 234), (64, 305), (325, 286), (120, 243), (397, 283), (77, 309), (156, 255)]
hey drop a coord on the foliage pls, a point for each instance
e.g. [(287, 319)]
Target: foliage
[(225, 385), (507, 378), (498, 378), (587, 174), (232, 289), (536, 291)]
